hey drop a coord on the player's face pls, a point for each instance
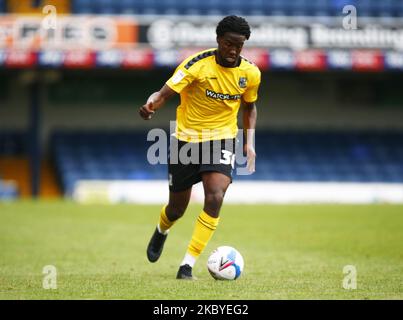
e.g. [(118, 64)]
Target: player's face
[(229, 48)]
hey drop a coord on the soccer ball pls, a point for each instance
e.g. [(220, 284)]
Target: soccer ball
[(225, 263)]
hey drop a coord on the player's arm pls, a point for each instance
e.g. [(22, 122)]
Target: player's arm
[(249, 125), (156, 101)]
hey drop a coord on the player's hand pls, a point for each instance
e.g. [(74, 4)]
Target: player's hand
[(250, 157), (146, 111)]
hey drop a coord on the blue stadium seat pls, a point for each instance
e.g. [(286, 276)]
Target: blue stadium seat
[(253, 7), (13, 143), (277, 7), (375, 8), (319, 8), (128, 6), (299, 8), (8, 191), (171, 7), (384, 8), (82, 6), (105, 7), (366, 8), (291, 156), (153, 7), (398, 8), (3, 8)]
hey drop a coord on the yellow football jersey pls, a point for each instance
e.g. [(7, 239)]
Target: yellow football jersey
[(211, 96)]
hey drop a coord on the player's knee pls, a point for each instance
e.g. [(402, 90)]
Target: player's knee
[(214, 199), (174, 212)]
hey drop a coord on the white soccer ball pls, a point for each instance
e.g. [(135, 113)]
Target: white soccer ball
[(225, 263)]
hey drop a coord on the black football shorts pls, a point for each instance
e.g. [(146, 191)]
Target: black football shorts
[(188, 160)]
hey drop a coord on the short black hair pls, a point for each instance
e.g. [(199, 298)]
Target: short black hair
[(233, 24)]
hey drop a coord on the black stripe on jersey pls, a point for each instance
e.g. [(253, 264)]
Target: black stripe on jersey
[(199, 57), (248, 61)]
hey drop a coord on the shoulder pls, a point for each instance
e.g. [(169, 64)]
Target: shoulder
[(251, 70), (249, 66), (197, 59)]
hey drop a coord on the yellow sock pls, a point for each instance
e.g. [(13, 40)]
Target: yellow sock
[(164, 223), (203, 231)]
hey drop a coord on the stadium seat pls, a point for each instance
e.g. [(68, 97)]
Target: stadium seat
[(128, 6), (276, 7), (82, 6), (318, 8), (153, 7), (8, 191), (253, 7), (3, 6), (299, 8), (398, 9), (366, 8), (105, 7), (384, 8), (283, 156), (13, 143)]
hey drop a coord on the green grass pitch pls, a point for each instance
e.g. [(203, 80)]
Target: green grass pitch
[(290, 252)]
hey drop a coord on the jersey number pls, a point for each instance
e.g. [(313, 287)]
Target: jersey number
[(228, 158)]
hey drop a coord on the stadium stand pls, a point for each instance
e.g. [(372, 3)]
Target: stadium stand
[(12, 145), (33, 6), (8, 190), (372, 8), (98, 156), (2, 6), (282, 156), (366, 8)]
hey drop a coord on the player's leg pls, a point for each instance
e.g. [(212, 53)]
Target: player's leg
[(176, 207), (215, 185), (178, 202), (181, 179)]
